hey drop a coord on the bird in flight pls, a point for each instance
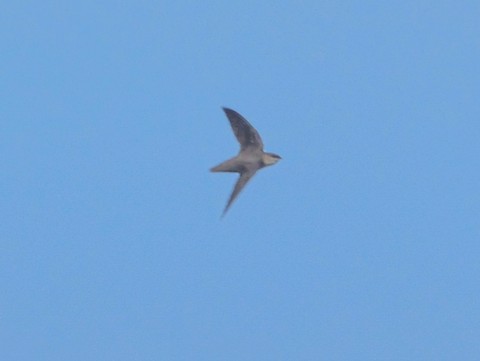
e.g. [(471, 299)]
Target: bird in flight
[(251, 157)]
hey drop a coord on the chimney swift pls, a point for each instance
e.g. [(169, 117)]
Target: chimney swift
[(251, 157)]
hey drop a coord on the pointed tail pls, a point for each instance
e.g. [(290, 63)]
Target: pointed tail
[(230, 165)]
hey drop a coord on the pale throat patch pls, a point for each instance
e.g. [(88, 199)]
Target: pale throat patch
[(269, 160)]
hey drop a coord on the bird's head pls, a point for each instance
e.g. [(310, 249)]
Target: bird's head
[(270, 158)]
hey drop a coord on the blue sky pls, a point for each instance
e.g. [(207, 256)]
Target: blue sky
[(361, 244)]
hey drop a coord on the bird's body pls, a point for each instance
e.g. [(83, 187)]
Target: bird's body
[(251, 157)]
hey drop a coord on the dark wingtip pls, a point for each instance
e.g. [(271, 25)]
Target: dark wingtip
[(227, 207), (228, 110), (224, 213)]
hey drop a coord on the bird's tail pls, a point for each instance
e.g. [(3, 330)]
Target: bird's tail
[(230, 165)]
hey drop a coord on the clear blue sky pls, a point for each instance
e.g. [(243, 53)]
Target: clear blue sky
[(363, 243)]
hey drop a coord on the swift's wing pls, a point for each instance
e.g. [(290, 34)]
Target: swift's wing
[(246, 135), (241, 182)]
